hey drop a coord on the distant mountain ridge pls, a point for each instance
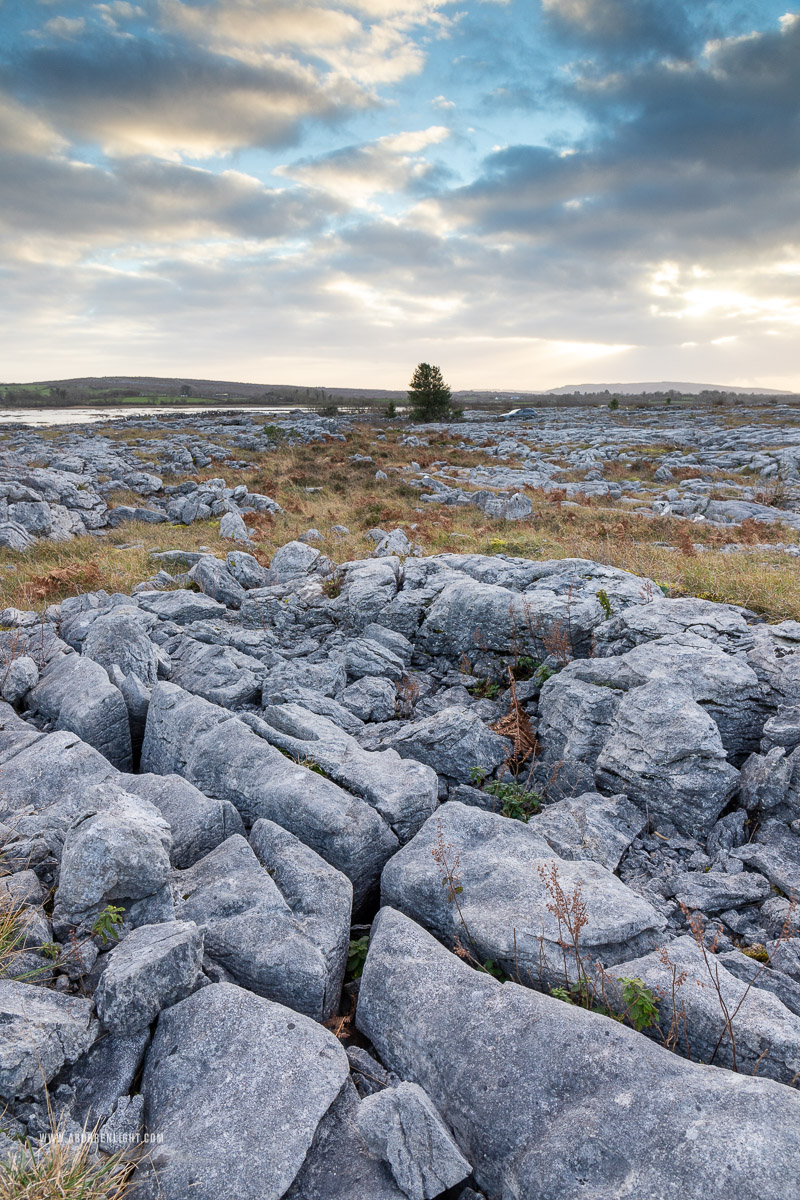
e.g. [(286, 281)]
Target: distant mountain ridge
[(636, 389)]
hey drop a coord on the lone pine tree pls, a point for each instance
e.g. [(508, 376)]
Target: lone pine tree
[(429, 394)]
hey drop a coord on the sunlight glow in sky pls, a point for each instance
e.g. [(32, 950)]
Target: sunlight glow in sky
[(530, 193)]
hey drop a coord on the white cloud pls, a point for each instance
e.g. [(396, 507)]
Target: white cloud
[(357, 173)]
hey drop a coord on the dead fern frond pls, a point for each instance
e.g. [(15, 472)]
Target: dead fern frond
[(516, 725)]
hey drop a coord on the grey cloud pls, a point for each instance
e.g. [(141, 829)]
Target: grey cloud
[(626, 26), (145, 198), (138, 95), (703, 158)]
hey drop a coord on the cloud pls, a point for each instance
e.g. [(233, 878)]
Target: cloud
[(144, 97), (24, 132), (140, 201), (626, 26), (356, 173), (62, 27)]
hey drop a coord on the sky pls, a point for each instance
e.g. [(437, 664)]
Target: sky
[(528, 193)]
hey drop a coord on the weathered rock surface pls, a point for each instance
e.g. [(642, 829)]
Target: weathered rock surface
[(237, 1085), (509, 878), (509, 1071), (226, 759), (153, 968)]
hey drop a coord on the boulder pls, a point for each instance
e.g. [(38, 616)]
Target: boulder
[(215, 580), (218, 673), (17, 678), (454, 741), (766, 1034), (153, 968), (223, 757), (548, 1100), (509, 882), (401, 1126), (665, 753), (251, 931), (591, 826), (246, 570), (74, 693), (370, 698), (180, 606), (116, 851), (339, 1166), (714, 891), (404, 792), (776, 854), (42, 1031), (117, 638), (365, 656), (237, 1086), (293, 561), (198, 823), (232, 526)]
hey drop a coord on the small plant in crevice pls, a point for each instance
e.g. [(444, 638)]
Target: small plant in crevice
[(515, 799), (484, 689), (332, 585), (356, 957), (605, 603), (108, 923)]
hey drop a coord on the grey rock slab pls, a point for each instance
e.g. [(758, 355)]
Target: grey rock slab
[(320, 897), (250, 930), (117, 638), (454, 742), (776, 854), (364, 657), (104, 1073), (45, 781), (232, 526), (370, 698), (713, 891), (41, 1032), (591, 826), (293, 561), (218, 673), (765, 1031), (549, 1101), (215, 580), (665, 753), (224, 758), (722, 624), (154, 967), (180, 606), (246, 570), (325, 678), (237, 1085), (576, 718), (763, 976), (198, 823), (765, 781), (506, 872), (782, 730), (339, 1166), (74, 693), (117, 850), (404, 792), (724, 685), (17, 678), (401, 1126)]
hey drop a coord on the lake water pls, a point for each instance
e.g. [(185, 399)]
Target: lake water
[(91, 416)]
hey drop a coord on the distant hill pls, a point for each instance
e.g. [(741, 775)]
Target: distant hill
[(638, 389)]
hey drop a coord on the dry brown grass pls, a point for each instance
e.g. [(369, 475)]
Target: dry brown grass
[(768, 582)]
